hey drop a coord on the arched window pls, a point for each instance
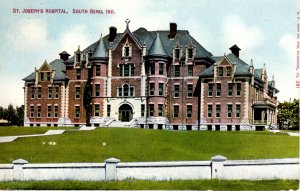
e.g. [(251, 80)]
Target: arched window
[(126, 91)]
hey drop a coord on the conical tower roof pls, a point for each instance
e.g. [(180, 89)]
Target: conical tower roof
[(100, 51), (157, 48)]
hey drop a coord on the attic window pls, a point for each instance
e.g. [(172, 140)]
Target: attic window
[(190, 53), (78, 57), (126, 50), (48, 76), (177, 53), (220, 71), (228, 71)]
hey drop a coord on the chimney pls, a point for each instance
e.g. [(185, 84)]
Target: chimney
[(235, 50), (64, 55), (173, 30), (112, 34)]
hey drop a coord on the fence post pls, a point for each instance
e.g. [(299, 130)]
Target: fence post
[(217, 166), (111, 168), (18, 173)]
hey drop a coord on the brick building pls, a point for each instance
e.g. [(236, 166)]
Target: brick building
[(150, 79)]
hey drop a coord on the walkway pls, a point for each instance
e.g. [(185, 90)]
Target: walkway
[(6, 139)]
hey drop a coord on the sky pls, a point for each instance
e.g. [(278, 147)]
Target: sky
[(265, 30)]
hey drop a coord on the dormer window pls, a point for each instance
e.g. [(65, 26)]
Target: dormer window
[(177, 53), (78, 57), (190, 53), (48, 76), (228, 71), (220, 71), (127, 49), (41, 76)]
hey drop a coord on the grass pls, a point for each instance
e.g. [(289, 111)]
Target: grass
[(155, 185), (149, 145), (12, 131)]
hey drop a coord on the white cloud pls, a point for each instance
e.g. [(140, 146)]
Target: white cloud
[(236, 31), (76, 35), (29, 34), (288, 43)]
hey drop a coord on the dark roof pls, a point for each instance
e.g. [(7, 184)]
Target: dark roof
[(234, 47), (64, 53), (59, 68), (157, 48), (242, 68), (100, 50), (147, 38), (258, 72)]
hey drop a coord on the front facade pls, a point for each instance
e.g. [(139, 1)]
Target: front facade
[(150, 79)]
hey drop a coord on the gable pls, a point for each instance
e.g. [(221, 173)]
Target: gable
[(45, 67)]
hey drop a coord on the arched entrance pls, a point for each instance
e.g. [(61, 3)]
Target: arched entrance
[(125, 112)]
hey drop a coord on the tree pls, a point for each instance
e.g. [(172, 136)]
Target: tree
[(288, 115), (20, 115)]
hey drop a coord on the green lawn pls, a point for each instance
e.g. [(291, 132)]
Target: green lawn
[(11, 131), (149, 145), (155, 185)]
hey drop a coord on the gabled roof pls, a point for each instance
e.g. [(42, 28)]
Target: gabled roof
[(157, 48), (59, 68), (100, 51), (242, 68), (145, 37)]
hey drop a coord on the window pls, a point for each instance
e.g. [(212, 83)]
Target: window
[(39, 92), (190, 90), (189, 111), (209, 110), (48, 76), (237, 110), (151, 110), (210, 90), (78, 57), (42, 76), (126, 51), (77, 111), (228, 71), (49, 110), (177, 53), (190, 53), (230, 89), (220, 71), (218, 110), (56, 92), (97, 90), (39, 111), (238, 89), (161, 89), (126, 69), (142, 110), (160, 110), (49, 92), (176, 111), (177, 70), (97, 110), (31, 111), (152, 69), (78, 74), (190, 70), (152, 88), (126, 91), (77, 92), (32, 92), (161, 68), (56, 111), (108, 110), (218, 91), (176, 90), (229, 110), (97, 70)]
